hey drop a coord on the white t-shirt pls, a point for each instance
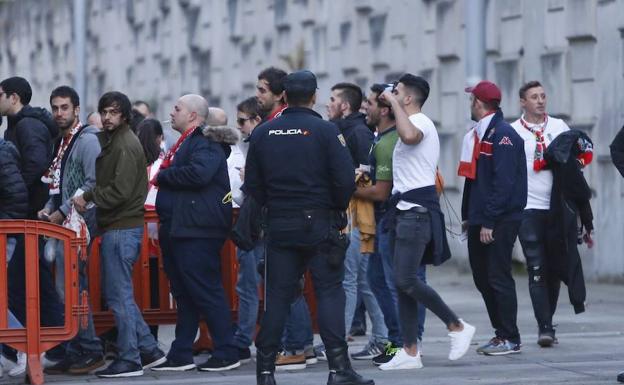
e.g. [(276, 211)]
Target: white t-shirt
[(539, 183), (414, 165)]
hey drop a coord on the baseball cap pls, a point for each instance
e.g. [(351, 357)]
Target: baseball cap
[(302, 81), (485, 91)]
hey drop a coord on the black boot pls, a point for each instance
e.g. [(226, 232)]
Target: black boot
[(265, 367), (340, 370)]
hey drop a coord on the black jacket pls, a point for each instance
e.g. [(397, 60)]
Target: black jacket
[(617, 151), (569, 200), (13, 192), (299, 161), (33, 132), (358, 136), (192, 191), (499, 191)]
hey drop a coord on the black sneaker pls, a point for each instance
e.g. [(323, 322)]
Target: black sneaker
[(389, 352), (244, 355), (371, 350), (620, 377), (153, 358), (62, 366), (547, 338), (172, 366), (87, 363), (218, 365), (120, 369)]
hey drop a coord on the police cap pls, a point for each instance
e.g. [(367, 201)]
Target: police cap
[(300, 82)]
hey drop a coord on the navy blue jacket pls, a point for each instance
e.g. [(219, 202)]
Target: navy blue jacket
[(499, 191), (358, 136), (299, 161), (192, 189), (13, 192)]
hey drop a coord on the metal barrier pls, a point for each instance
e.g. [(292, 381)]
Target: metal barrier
[(35, 339)]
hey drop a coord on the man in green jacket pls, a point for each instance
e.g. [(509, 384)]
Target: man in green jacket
[(119, 194)]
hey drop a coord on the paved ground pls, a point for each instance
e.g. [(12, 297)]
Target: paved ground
[(589, 353)]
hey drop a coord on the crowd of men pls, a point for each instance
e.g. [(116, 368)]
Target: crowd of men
[(354, 199)]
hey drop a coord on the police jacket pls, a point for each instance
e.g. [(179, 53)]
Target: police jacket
[(299, 161), (358, 136), (191, 191), (617, 151), (499, 192)]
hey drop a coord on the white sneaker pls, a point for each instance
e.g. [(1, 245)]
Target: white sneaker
[(20, 367), (402, 360), (460, 341)]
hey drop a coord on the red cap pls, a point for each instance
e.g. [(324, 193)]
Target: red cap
[(485, 91)]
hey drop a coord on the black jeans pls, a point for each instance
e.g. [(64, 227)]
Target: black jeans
[(491, 271), (543, 282), (293, 244), (409, 240)]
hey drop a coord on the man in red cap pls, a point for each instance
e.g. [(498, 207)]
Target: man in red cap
[(495, 194)]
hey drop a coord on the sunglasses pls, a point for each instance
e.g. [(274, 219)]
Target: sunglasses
[(242, 121)]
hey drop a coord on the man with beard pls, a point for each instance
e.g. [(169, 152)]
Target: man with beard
[(72, 169), (269, 91)]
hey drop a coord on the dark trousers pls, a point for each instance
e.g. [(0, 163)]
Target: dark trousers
[(410, 238), (292, 246), (193, 266), (543, 282), (491, 271)]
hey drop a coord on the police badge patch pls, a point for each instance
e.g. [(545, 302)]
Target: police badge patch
[(342, 140)]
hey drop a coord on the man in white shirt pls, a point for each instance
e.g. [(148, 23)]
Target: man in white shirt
[(538, 130), (416, 222)]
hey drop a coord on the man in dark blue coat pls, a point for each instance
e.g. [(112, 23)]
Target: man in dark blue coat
[(298, 166), (195, 219), (494, 199)]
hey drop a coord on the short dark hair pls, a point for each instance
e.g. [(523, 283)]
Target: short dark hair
[(417, 85), (528, 86), (147, 132), (116, 99), (299, 97), (19, 86), (351, 93), (379, 88), (275, 78), (491, 105), (249, 106), (66, 92), (135, 119)]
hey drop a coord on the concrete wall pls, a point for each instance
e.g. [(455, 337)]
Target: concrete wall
[(157, 50)]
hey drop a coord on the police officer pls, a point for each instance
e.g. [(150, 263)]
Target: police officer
[(300, 169)]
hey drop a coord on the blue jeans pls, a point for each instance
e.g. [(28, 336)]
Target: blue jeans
[(298, 329), (120, 251), (247, 290), (356, 282), (381, 279)]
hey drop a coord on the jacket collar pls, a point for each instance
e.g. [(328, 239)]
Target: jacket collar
[(304, 110), (498, 116)]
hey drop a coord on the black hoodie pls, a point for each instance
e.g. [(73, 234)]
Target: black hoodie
[(32, 131), (358, 136)]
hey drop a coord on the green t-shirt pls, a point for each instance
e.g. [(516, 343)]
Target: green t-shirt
[(382, 151)]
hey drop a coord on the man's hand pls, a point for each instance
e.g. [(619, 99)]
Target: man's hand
[(43, 214), (388, 97), (80, 203), (56, 217), (486, 235)]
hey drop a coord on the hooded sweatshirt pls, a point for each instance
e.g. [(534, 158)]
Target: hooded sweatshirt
[(32, 130)]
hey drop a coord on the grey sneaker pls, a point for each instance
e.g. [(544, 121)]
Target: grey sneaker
[(319, 350), (370, 351), (501, 348), (486, 345)]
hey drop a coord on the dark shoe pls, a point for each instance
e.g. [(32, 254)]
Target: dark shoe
[(218, 365), (153, 358), (502, 348), (389, 352), (265, 367), (547, 338), (620, 377), (62, 366), (119, 369), (87, 363), (493, 341), (172, 366), (340, 370), (244, 355), (370, 351)]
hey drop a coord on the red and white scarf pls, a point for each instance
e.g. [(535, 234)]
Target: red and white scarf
[(539, 162), (171, 153), (53, 176), (471, 148)]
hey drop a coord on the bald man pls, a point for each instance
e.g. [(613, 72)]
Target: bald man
[(217, 117), (194, 222)]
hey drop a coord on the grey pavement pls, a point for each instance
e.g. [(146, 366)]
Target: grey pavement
[(590, 350)]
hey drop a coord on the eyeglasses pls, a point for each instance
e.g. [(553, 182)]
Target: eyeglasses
[(242, 121)]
